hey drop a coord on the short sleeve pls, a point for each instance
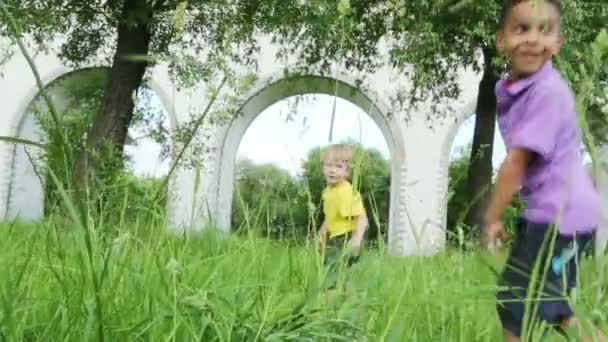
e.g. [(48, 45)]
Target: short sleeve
[(351, 205), (541, 123)]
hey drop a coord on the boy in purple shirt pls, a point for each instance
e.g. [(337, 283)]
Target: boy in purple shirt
[(538, 122)]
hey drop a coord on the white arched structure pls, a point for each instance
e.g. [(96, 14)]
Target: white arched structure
[(21, 190), (600, 179), (465, 112), (419, 148), (279, 87)]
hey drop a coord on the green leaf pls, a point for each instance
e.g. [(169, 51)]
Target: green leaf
[(602, 41), (178, 17), (343, 7)]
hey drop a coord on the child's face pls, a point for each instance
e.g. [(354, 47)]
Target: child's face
[(530, 36), (335, 171)]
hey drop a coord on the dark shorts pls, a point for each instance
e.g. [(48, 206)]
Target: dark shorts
[(337, 259), (557, 258)]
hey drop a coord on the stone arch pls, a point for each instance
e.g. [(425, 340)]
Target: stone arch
[(23, 189), (417, 187), (599, 175), (281, 86), (464, 113)]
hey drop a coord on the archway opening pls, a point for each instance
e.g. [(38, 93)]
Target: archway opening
[(146, 151), (458, 198), (278, 180), (76, 97), (282, 86)]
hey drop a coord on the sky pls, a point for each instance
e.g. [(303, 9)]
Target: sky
[(292, 139), (279, 137)]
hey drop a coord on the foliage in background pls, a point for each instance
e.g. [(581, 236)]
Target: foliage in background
[(589, 80), (79, 97), (270, 200), (282, 206), (583, 62), (459, 233)]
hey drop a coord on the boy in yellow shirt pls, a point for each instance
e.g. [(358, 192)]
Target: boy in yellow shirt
[(345, 218)]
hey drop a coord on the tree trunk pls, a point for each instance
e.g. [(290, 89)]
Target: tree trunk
[(111, 123), (480, 163)]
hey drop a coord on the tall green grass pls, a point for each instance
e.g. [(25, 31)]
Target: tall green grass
[(153, 285)]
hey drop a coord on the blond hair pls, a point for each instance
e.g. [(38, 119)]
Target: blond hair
[(338, 152)]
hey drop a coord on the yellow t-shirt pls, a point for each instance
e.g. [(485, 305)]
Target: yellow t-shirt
[(341, 205)]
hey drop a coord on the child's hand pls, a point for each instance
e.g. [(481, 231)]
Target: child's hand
[(355, 246), (493, 232), (321, 241)]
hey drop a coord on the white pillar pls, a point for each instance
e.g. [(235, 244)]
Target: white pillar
[(600, 178), (423, 207)]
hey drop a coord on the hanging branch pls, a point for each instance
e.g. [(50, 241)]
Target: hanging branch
[(333, 115)]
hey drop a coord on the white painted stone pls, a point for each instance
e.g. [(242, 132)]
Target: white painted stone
[(419, 149), (600, 178), (24, 178)]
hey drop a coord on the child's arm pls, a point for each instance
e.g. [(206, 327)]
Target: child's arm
[(322, 233), (323, 230), (509, 182), (360, 228)]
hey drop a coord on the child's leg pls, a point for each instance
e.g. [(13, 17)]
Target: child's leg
[(586, 243), (551, 287), (509, 337), (350, 261), (514, 283), (573, 329), (330, 262), (530, 252), (555, 284), (334, 260)]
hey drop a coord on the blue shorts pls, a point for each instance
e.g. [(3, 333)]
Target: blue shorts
[(548, 301)]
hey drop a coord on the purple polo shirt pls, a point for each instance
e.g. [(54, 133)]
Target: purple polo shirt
[(538, 114)]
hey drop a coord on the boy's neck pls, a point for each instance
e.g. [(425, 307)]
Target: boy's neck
[(514, 77)]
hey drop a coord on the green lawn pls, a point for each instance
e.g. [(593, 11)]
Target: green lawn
[(147, 285)]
